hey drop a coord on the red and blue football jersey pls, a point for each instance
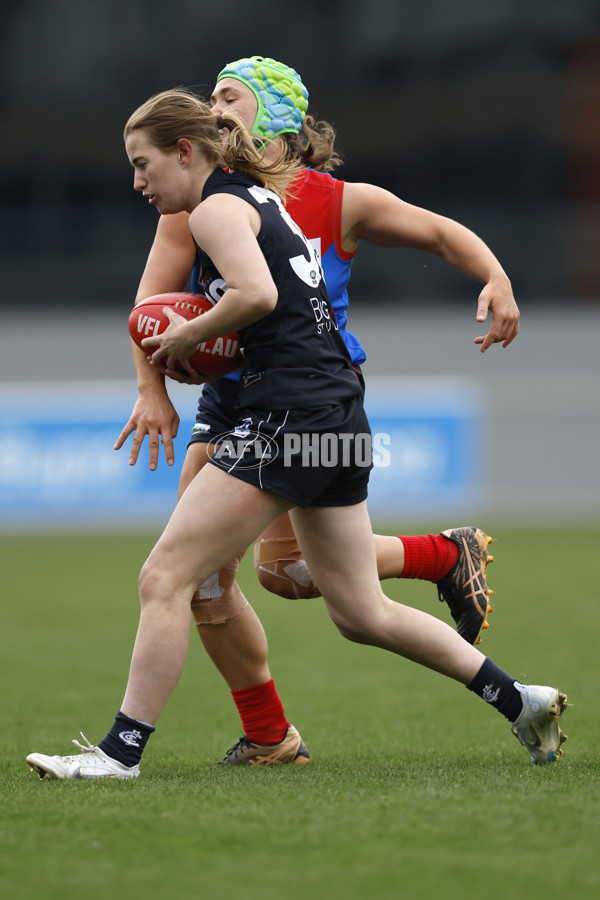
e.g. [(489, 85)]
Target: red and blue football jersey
[(315, 204)]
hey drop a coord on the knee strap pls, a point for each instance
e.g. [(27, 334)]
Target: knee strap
[(219, 598), (282, 570)]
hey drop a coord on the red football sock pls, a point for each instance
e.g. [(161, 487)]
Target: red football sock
[(428, 556), (261, 712)]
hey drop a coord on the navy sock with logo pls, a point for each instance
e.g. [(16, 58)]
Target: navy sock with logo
[(497, 688), (126, 739)]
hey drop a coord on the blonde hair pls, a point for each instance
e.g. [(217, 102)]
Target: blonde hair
[(313, 146), (178, 113)]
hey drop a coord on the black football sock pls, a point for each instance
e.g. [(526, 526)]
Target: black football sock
[(126, 739), (496, 687)]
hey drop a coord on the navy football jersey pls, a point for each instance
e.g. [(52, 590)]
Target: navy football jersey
[(293, 357)]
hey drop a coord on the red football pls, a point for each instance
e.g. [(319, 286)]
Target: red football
[(216, 357)]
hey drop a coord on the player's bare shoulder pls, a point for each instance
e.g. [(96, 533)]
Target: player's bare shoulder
[(223, 213)]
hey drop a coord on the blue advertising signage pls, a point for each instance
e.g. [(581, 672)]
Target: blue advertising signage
[(428, 445), (58, 466)]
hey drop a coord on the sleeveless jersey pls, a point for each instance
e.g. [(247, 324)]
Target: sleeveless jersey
[(315, 204), (294, 356)]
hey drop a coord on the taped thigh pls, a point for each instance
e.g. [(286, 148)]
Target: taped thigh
[(282, 570), (219, 598)]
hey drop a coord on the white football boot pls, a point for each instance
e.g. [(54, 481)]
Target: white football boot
[(92, 762), (537, 726)]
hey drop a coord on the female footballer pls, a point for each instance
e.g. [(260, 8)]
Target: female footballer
[(297, 381)]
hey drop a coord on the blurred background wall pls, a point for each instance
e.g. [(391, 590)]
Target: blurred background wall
[(485, 112)]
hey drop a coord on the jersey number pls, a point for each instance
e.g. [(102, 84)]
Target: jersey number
[(309, 270)]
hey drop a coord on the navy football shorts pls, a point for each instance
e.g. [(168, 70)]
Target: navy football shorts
[(216, 410), (313, 457)]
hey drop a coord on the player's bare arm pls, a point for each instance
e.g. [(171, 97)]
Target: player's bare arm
[(225, 227), (374, 214), (169, 264)]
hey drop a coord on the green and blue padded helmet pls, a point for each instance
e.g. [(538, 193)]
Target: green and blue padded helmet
[(282, 98)]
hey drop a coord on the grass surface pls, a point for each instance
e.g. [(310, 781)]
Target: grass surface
[(416, 789)]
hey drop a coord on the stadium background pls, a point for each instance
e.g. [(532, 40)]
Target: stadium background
[(484, 112)]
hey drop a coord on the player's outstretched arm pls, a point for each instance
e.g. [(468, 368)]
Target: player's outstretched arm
[(373, 214)]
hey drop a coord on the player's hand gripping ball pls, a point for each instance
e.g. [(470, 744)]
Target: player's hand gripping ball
[(219, 356)]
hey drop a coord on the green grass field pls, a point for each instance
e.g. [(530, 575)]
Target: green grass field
[(416, 789)]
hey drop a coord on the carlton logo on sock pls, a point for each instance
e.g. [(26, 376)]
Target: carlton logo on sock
[(490, 695), (130, 738)]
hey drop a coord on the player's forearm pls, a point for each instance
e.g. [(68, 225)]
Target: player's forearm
[(149, 380), (235, 310), (469, 254)]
